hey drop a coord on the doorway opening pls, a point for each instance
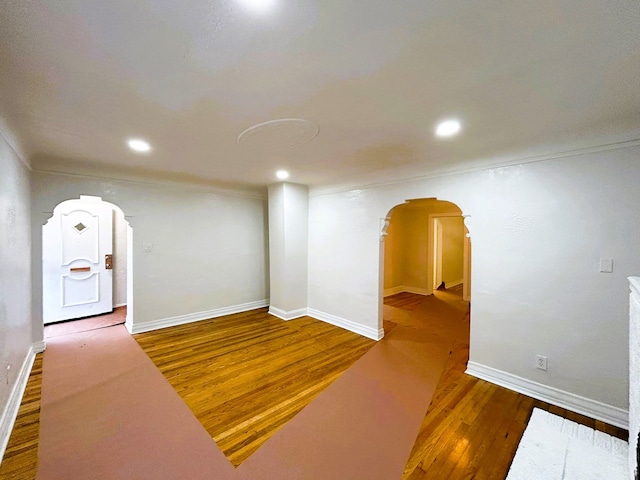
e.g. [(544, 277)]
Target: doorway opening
[(86, 266), (449, 243), (425, 265)]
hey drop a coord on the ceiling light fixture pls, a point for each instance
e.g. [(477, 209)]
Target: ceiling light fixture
[(448, 128), (282, 174), (258, 5), (138, 145)]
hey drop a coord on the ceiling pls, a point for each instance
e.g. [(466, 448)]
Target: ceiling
[(369, 79)]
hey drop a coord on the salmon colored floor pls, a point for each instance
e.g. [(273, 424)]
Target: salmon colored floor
[(107, 412), (117, 317)]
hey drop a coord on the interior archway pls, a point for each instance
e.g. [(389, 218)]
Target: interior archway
[(425, 252), (121, 252)]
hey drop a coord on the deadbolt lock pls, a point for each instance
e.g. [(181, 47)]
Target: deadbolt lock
[(108, 262)]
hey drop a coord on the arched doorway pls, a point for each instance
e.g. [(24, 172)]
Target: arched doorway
[(425, 252), (86, 268)]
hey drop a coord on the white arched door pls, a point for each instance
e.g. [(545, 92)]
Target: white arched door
[(77, 260)]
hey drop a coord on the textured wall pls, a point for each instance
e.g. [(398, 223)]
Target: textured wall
[(288, 233), (15, 264), (208, 248), (538, 233)]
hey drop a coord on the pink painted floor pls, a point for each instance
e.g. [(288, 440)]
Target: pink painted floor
[(108, 413), (117, 317)]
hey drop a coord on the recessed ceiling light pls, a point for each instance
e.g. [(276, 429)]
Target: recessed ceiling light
[(138, 145), (258, 5), (448, 128), (282, 174)]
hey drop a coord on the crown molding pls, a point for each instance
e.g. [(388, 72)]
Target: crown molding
[(319, 191), (249, 193)]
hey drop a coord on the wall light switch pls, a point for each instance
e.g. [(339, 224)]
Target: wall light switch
[(147, 247), (606, 265)]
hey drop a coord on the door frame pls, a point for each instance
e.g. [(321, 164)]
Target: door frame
[(431, 253), (438, 238)]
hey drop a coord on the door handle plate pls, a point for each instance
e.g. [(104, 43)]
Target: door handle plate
[(108, 262)]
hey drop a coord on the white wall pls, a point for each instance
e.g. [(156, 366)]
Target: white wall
[(208, 248), (288, 234), (538, 233), (16, 336)]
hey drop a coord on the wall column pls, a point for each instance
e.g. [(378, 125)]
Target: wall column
[(288, 249)]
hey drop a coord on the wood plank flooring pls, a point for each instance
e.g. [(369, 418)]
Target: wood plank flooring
[(472, 428), (20, 458), (245, 375)]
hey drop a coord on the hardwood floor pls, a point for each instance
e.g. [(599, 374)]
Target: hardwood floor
[(245, 375), (20, 458), (472, 428)]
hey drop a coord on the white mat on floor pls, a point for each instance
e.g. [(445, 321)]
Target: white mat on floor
[(553, 448)]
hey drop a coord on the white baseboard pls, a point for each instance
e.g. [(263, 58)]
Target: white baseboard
[(328, 318), (39, 347), (120, 305), (393, 290), (455, 283), (404, 289), (416, 290), (194, 317), (369, 332), (287, 315), (128, 322), (576, 403), (10, 412)]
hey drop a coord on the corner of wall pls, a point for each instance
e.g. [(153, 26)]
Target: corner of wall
[(13, 143), (287, 315), (134, 328), (369, 332)]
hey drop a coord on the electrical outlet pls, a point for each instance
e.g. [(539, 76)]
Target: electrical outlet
[(606, 265), (541, 362)]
